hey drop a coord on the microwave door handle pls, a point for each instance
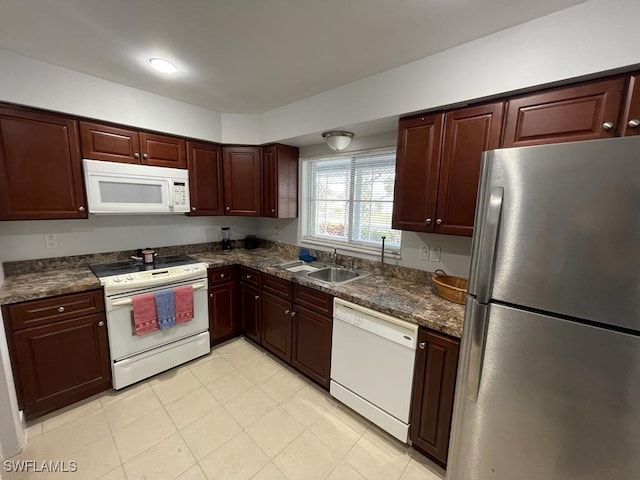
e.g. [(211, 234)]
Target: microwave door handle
[(171, 192)]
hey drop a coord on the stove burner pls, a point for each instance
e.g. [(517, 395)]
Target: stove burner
[(132, 266)]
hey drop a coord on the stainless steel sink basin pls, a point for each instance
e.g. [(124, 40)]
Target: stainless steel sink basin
[(336, 275)]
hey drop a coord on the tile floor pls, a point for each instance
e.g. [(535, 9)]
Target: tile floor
[(235, 414)]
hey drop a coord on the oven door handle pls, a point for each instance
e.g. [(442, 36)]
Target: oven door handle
[(127, 301)]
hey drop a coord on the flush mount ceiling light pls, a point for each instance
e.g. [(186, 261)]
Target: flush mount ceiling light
[(162, 65), (337, 140)]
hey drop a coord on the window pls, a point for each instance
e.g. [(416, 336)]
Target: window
[(349, 201)]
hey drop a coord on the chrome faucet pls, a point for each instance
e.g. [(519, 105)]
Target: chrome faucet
[(334, 255), (382, 257)]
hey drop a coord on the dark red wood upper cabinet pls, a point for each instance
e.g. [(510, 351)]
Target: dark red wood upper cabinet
[(204, 161), (417, 170), (280, 181), (242, 178), (631, 118), (40, 166), (113, 144), (433, 392), (581, 112), (163, 150), (467, 133)]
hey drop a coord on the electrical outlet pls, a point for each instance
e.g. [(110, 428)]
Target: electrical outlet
[(434, 254), (277, 232), (51, 241), (424, 253)]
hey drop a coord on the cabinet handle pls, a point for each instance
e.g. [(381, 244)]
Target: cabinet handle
[(136, 155), (421, 345), (81, 209), (607, 125), (60, 309), (193, 208), (145, 156), (439, 221), (428, 221), (634, 122), (286, 312), (101, 323)]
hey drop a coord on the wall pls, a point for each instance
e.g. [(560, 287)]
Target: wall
[(455, 251), (25, 240), (588, 38), (241, 128), (31, 82)]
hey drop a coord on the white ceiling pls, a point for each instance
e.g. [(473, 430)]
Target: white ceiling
[(250, 56)]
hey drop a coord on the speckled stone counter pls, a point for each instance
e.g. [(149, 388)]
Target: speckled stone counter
[(413, 301)]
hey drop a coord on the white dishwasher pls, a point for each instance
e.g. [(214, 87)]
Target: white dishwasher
[(372, 360)]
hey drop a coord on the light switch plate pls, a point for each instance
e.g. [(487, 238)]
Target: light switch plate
[(434, 254), (424, 253), (50, 241)]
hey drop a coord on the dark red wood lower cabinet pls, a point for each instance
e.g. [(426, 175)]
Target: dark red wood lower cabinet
[(223, 323), (250, 312), (62, 362), (433, 391), (275, 319), (312, 345)]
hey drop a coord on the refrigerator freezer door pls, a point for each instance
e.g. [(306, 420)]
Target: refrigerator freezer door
[(558, 400), (569, 230)]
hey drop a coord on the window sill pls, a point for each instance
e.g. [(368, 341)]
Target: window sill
[(370, 252)]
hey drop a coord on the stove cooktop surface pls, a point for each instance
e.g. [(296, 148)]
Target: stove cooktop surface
[(132, 266)]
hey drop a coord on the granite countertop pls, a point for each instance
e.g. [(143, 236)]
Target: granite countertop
[(411, 301)]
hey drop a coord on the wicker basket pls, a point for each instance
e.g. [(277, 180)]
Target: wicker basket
[(451, 288)]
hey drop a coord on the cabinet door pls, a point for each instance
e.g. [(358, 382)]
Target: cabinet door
[(275, 317), (222, 312), (40, 166), (242, 180), (204, 161), (467, 133), (433, 391), (63, 362), (417, 170), (583, 112), (250, 312), (631, 120), (312, 344), (280, 181), (113, 144), (163, 151)]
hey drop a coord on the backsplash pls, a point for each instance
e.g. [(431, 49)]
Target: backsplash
[(280, 250)]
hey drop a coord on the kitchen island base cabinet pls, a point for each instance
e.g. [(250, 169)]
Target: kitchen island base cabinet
[(59, 350), (433, 391)]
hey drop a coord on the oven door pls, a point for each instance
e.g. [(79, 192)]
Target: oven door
[(123, 341)]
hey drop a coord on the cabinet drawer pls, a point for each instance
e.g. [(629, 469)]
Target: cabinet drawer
[(250, 277), (53, 309), (277, 286), (312, 299), (222, 275)]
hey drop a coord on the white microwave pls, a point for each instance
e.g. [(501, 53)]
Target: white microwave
[(123, 188)]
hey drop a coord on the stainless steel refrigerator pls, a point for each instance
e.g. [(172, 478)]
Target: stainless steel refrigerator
[(548, 384)]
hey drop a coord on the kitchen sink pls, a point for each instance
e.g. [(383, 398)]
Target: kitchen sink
[(336, 275)]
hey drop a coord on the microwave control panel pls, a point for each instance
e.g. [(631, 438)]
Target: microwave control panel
[(179, 194)]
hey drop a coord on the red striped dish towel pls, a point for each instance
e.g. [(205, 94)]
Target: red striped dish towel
[(144, 313), (183, 301)]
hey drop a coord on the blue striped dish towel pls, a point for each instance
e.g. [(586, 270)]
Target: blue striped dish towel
[(165, 308)]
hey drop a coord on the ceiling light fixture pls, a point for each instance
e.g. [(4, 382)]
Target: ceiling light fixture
[(337, 140), (162, 65)]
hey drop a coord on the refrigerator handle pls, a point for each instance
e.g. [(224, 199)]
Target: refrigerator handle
[(487, 247), (476, 315)]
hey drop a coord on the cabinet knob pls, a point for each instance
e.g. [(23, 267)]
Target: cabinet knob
[(293, 314), (145, 156), (60, 309), (222, 275), (421, 345), (607, 125), (273, 210), (193, 209), (286, 312), (101, 323), (136, 155), (257, 297), (634, 122), (81, 208), (248, 277), (439, 221), (428, 221), (228, 208), (211, 295)]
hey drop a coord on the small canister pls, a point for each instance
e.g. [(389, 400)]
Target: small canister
[(148, 256)]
